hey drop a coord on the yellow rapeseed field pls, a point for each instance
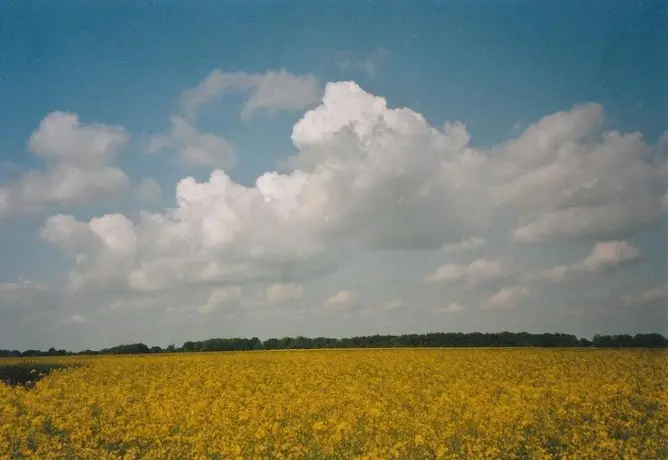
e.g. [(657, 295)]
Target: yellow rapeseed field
[(381, 404)]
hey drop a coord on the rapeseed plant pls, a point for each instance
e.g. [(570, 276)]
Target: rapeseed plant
[(373, 404)]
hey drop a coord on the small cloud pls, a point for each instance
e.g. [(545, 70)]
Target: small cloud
[(78, 168), (342, 299), (604, 255), (219, 297), (271, 91), (507, 297), (62, 137), (277, 293), (609, 254), (194, 147), (479, 270)]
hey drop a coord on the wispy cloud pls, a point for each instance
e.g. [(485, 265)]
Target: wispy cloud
[(270, 91)]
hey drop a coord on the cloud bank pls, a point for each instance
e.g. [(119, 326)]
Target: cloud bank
[(375, 177), (366, 178)]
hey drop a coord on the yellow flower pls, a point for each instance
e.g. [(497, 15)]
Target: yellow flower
[(398, 403)]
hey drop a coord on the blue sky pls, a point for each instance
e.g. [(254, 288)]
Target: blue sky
[(496, 67)]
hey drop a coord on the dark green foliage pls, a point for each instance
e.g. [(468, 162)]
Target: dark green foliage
[(131, 349), (436, 339), (626, 341), (439, 339), (26, 374)]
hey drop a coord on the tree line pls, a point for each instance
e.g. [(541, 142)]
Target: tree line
[(437, 340)]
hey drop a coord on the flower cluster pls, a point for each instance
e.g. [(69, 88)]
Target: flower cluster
[(371, 403)]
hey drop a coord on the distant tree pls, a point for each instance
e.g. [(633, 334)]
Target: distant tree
[(255, 343), (584, 342), (127, 349), (31, 353), (650, 341), (190, 347), (271, 344), (436, 339)]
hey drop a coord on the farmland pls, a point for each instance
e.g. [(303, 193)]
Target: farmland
[(372, 403)]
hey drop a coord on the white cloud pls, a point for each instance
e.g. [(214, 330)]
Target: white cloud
[(149, 190), (507, 297), (69, 185), (342, 300), (217, 84), (382, 167), (364, 177), (282, 91), (563, 180), (222, 230), (612, 218), (220, 298), (103, 247), (195, 148), (78, 169), (604, 255), (479, 270), (372, 177), (65, 232), (271, 91), (281, 292), (62, 138), (609, 254), (464, 245)]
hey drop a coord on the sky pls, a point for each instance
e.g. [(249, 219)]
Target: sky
[(180, 171)]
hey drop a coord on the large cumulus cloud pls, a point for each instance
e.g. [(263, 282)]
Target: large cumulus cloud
[(372, 177)]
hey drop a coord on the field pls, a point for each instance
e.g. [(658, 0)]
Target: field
[(373, 403)]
